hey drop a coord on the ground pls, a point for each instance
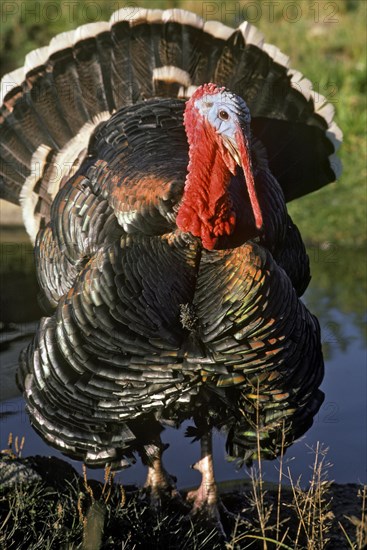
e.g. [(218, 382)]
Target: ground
[(45, 504)]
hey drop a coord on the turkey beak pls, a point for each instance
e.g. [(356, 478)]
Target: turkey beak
[(240, 152)]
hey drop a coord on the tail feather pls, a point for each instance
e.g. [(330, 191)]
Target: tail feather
[(90, 72), (13, 144), (124, 85), (12, 179), (70, 93), (104, 45), (13, 174), (66, 88), (46, 103), (19, 110), (300, 156), (144, 56)]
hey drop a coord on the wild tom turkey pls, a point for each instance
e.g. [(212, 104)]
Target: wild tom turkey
[(153, 157)]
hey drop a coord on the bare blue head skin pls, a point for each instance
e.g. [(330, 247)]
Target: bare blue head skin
[(225, 111)]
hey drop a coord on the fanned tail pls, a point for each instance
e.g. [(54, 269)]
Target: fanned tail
[(52, 104)]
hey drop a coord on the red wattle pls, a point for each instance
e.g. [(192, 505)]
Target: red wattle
[(206, 209)]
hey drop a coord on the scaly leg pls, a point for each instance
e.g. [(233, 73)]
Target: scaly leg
[(158, 480), (205, 498)]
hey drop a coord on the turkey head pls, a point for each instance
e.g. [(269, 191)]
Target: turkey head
[(217, 124)]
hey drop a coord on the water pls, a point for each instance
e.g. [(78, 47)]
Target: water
[(336, 295)]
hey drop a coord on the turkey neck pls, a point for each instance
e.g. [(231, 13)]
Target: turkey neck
[(206, 206)]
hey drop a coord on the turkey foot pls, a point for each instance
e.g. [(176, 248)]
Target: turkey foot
[(160, 484), (159, 481), (205, 497)]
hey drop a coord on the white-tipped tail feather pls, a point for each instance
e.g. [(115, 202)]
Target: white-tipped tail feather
[(172, 74), (10, 81)]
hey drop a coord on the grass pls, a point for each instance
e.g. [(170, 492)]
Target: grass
[(325, 40), (64, 510), (333, 56)]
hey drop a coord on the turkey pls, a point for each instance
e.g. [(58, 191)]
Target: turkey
[(153, 157)]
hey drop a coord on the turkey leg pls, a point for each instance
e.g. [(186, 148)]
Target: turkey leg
[(158, 480), (205, 498)]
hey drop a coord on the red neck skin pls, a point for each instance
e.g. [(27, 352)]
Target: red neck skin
[(206, 207)]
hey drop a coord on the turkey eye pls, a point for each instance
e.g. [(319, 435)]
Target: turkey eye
[(223, 115)]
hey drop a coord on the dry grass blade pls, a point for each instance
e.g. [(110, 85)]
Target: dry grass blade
[(362, 540), (313, 506), (109, 477), (230, 545), (265, 539), (346, 536), (88, 488), (280, 479), (258, 487), (361, 530)]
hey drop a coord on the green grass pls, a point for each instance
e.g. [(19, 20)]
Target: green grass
[(333, 57), (325, 40)]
